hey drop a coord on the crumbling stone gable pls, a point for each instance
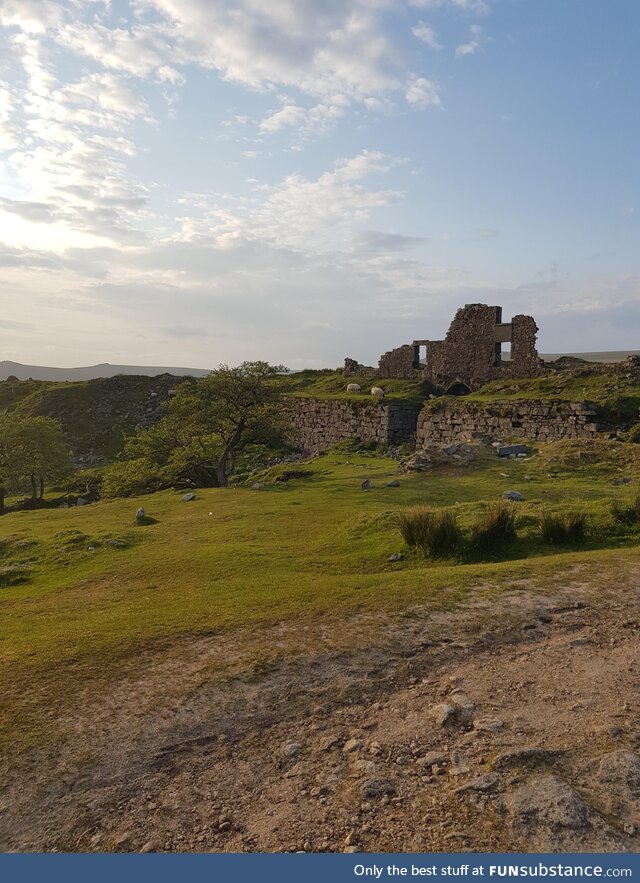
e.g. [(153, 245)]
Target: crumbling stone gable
[(469, 353), (525, 361)]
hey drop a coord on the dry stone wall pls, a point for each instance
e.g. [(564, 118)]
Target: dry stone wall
[(317, 424), (447, 421)]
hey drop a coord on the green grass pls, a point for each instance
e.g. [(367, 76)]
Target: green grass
[(328, 384), (93, 588)]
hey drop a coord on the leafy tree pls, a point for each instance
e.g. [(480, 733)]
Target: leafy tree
[(7, 455), (37, 452), (206, 425)]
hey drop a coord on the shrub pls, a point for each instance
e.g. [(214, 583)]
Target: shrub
[(634, 434), (437, 534), (560, 530), (629, 515), (496, 531)]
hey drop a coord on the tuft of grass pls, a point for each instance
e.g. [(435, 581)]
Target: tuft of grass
[(561, 530), (437, 534), (495, 532), (627, 515), (14, 575)]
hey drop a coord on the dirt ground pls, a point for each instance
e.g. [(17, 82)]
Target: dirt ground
[(511, 724)]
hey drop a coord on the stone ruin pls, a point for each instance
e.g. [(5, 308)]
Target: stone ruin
[(468, 357)]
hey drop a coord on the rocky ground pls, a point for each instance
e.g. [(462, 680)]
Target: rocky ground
[(510, 725)]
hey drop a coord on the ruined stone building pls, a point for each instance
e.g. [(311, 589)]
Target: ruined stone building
[(469, 356)]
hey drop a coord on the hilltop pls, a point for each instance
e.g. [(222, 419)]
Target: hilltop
[(92, 372)]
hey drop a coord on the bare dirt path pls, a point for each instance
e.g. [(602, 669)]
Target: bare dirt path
[(510, 724)]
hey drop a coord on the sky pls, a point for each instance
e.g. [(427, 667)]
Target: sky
[(196, 182)]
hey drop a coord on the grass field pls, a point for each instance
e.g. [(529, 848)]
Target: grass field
[(91, 587)]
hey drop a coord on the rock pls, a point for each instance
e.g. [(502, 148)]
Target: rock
[(547, 815), (549, 801), (515, 496), (366, 485), (122, 841), (397, 556), (432, 758), (488, 724), (188, 497), (352, 745), (377, 787), (620, 771), (292, 749), (258, 486), (394, 483), (512, 450), (524, 756), (327, 743), (375, 748), (81, 501), (484, 783), (463, 705), (442, 713)]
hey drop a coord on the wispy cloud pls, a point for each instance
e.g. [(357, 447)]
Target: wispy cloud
[(475, 41)]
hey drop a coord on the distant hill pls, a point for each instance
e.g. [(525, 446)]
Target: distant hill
[(592, 357), (92, 372)]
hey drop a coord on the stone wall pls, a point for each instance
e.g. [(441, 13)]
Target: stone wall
[(317, 424), (401, 362), (447, 421)]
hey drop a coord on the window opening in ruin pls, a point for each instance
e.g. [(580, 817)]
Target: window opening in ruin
[(458, 389)]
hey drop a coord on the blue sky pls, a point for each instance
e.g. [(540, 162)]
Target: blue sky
[(197, 181)]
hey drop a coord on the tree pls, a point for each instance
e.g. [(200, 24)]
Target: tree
[(7, 455), (37, 452), (206, 424)]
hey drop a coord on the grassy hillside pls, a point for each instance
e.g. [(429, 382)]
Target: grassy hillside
[(95, 414), (82, 588)]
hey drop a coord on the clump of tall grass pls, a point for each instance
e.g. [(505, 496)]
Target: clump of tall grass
[(437, 534), (562, 530), (495, 531), (628, 515)]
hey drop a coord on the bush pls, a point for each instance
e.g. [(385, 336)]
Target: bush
[(561, 530), (629, 515), (437, 534), (634, 434), (496, 531)]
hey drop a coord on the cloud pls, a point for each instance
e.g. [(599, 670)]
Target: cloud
[(473, 7), (427, 34), (421, 92), (474, 43), (30, 16), (377, 241)]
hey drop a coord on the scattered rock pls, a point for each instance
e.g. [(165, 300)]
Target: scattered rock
[(352, 745), (620, 771), (484, 783), (547, 815), (512, 450), (524, 756), (432, 758), (188, 497), (377, 787), (515, 496), (366, 485), (258, 486), (394, 483), (292, 749), (397, 556), (442, 713), (488, 724), (327, 743)]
